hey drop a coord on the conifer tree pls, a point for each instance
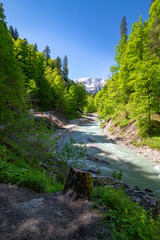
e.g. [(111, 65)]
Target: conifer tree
[(58, 64), (123, 28), (65, 69), (11, 30), (36, 47), (26, 41), (47, 52), (16, 34), (122, 44)]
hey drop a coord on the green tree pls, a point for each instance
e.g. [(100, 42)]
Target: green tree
[(122, 44), (16, 34), (11, 78), (123, 28), (58, 64), (44, 95), (36, 47), (13, 32), (65, 69), (47, 52)]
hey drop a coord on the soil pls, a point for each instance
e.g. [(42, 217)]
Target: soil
[(26, 215)]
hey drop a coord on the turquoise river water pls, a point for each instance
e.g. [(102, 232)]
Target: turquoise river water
[(136, 170)]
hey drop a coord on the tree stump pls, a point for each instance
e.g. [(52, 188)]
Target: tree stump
[(79, 184)]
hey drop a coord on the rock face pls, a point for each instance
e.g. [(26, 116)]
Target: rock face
[(79, 185), (92, 85)]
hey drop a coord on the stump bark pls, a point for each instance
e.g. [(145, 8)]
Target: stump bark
[(79, 184)]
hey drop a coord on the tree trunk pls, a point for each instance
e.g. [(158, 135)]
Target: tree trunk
[(79, 184)]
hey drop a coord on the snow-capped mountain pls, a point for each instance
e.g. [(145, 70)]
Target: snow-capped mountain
[(92, 85)]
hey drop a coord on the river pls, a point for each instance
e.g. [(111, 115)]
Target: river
[(136, 170)]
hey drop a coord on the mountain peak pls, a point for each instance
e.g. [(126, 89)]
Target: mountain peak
[(92, 85)]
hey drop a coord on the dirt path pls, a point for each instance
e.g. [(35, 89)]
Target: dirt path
[(25, 215)]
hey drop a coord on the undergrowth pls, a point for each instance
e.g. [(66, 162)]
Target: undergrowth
[(26, 176), (148, 133), (28, 143), (123, 218), (72, 116)]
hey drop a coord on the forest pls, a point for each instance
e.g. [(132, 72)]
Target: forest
[(32, 80), (132, 93)]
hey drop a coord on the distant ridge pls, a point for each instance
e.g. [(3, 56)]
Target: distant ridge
[(92, 85)]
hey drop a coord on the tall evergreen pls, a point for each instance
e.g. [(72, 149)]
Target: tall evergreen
[(65, 69), (36, 47), (47, 52), (123, 28), (122, 44), (16, 34), (11, 30), (58, 64)]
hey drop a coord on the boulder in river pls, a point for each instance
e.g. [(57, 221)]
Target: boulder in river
[(94, 170)]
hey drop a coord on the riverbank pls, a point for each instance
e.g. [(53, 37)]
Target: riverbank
[(125, 139), (115, 136)]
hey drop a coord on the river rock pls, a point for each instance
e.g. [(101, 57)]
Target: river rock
[(91, 140), (148, 190), (94, 170)]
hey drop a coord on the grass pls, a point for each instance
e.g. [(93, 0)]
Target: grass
[(124, 219), (152, 142)]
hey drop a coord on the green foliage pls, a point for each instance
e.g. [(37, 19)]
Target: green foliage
[(11, 78), (152, 138), (124, 218), (74, 116), (28, 177), (33, 139), (3, 151), (73, 152), (117, 175), (90, 107), (124, 123), (28, 144), (134, 89)]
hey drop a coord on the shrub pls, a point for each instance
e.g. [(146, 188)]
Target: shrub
[(124, 218), (124, 123), (28, 177), (117, 175)]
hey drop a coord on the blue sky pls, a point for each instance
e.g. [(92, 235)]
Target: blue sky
[(87, 31)]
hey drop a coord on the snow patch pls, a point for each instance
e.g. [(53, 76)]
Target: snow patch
[(92, 85)]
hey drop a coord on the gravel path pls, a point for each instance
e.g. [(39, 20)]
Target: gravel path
[(25, 215)]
